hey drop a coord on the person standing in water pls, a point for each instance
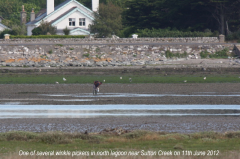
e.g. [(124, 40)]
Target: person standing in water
[(96, 85)]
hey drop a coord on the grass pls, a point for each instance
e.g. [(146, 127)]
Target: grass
[(81, 79), (138, 141)]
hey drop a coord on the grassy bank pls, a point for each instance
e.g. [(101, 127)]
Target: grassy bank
[(50, 79), (144, 143)]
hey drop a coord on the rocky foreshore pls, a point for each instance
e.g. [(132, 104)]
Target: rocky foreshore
[(59, 55)]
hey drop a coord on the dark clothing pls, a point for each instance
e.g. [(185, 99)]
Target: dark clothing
[(97, 83)]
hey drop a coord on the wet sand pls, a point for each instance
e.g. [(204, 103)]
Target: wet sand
[(39, 94)]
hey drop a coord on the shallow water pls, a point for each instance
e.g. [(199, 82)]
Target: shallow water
[(91, 111), (102, 95)]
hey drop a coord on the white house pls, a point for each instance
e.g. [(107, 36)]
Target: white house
[(71, 14)]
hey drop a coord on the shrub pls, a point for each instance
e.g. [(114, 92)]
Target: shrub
[(59, 45), (18, 136), (66, 31), (45, 28), (209, 135), (86, 55), (53, 137), (220, 54), (169, 54), (135, 134), (19, 30), (6, 31), (233, 36), (179, 146), (204, 54), (36, 31), (233, 134), (50, 51)]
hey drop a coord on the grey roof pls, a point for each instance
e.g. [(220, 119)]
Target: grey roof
[(4, 26), (42, 14), (63, 14), (42, 11)]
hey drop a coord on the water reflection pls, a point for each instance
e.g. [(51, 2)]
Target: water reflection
[(87, 111)]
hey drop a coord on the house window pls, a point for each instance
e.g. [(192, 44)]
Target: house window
[(81, 21), (71, 21)]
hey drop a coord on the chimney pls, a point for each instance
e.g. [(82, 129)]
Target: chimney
[(50, 6), (23, 16), (32, 15), (95, 5)]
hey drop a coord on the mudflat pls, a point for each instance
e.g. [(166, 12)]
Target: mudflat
[(185, 93), (66, 94)]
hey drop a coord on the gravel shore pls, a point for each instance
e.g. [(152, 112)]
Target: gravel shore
[(184, 124)]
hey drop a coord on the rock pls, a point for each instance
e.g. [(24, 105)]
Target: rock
[(204, 69), (150, 62), (100, 63), (3, 63), (85, 64), (113, 63), (126, 63), (140, 62), (91, 64)]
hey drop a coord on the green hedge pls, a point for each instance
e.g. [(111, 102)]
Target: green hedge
[(174, 33), (45, 36)]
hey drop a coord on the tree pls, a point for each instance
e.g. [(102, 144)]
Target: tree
[(44, 28), (19, 30), (107, 21), (5, 31), (186, 15), (10, 10), (142, 13), (223, 13)]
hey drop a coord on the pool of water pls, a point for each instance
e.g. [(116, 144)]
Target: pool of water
[(90, 111)]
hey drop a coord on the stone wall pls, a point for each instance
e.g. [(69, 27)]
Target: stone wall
[(115, 40), (58, 55)]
